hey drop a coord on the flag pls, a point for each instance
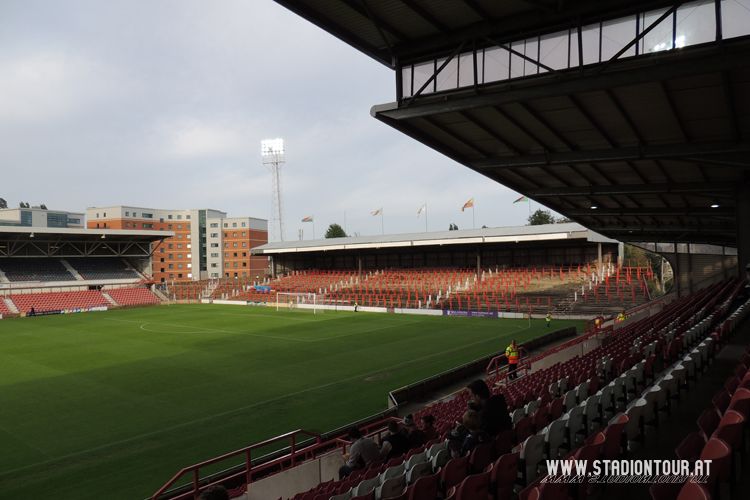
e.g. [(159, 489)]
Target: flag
[(468, 204), (377, 212), (421, 209), (521, 199), (309, 218)]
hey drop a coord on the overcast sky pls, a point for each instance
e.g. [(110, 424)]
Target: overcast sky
[(164, 103)]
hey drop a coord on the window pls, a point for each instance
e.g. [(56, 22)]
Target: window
[(244, 254), (214, 245), (187, 217), (179, 226), (214, 235), (244, 234), (244, 225), (135, 214), (234, 244), (179, 275), (213, 264), (148, 216), (161, 260), (214, 224), (189, 265), (179, 216), (189, 245), (234, 264), (234, 224), (170, 256), (234, 254), (170, 246), (162, 250), (234, 235), (226, 225), (179, 255), (97, 215), (169, 216), (244, 244), (244, 264), (226, 245), (179, 245), (127, 214), (179, 266), (189, 256), (226, 265), (226, 255), (214, 255), (105, 215), (169, 226), (226, 235), (171, 266), (171, 276), (162, 269)]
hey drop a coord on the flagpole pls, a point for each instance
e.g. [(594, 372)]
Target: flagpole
[(473, 220), (313, 221), (425, 217), (382, 226)]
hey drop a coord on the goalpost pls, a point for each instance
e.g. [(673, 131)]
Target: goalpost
[(298, 301)]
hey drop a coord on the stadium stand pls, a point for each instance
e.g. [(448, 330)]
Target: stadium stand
[(133, 296), (558, 289), (591, 406), (17, 270), (103, 269), (58, 301), (4, 311)]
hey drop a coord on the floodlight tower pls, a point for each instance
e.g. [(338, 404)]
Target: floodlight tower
[(272, 151)]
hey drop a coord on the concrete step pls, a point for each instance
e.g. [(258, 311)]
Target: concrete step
[(71, 270), (109, 299), (11, 306)]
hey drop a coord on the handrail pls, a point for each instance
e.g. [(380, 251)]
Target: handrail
[(194, 469)]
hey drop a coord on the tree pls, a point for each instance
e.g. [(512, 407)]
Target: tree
[(3, 203), (563, 220), (335, 231), (541, 217)]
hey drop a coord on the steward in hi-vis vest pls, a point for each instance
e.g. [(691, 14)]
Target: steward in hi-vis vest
[(512, 353)]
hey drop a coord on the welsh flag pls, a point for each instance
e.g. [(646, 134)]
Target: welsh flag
[(521, 200), (309, 218)]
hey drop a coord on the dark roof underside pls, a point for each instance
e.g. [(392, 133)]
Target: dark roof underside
[(651, 141)]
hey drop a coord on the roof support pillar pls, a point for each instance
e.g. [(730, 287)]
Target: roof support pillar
[(743, 225)]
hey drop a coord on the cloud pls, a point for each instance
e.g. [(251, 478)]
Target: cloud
[(192, 138), (48, 86)]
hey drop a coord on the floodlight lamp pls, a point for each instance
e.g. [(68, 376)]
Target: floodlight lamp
[(594, 207), (714, 205), (269, 147)]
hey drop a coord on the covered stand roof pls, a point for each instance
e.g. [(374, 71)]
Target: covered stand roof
[(545, 232), (639, 142), (61, 243)]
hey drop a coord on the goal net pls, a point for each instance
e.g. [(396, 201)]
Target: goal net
[(298, 301)]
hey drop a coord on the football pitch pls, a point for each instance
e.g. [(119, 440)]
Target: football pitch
[(111, 404)]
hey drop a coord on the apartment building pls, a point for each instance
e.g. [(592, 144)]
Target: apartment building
[(207, 243), (40, 217)]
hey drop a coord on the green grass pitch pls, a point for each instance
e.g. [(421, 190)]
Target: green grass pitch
[(110, 405)]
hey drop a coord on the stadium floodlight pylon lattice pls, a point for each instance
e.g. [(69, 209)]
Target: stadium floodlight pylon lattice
[(297, 301)]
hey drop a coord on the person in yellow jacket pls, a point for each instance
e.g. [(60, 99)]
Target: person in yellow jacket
[(512, 353)]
